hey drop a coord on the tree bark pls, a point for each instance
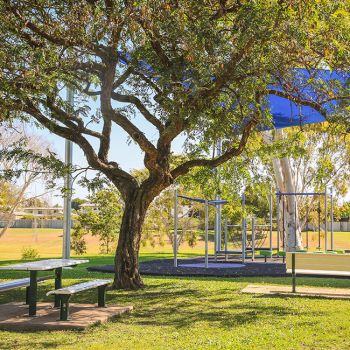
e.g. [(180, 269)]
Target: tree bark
[(285, 183), (292, 222), (127, 275)]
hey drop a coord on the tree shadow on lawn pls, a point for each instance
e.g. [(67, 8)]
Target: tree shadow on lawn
[(183, 307), (169, 304), (242, 281)]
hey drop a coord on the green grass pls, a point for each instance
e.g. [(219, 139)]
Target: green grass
[(197, 313)]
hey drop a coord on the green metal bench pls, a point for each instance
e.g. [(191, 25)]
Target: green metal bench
[(19, 283), (65, 294), (266, 254)]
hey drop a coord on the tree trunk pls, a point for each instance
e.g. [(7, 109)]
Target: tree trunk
[(285, 183), (127, 274), (292, 222)]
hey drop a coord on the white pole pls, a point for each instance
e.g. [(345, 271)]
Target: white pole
[(244, 237), (325, 220), (253, 239), (68, 184), (175, 225), (226, 238), (244, 227), (331, 213), (271, 209), (216, 232), (278, 201), (206, 232), (218, 225)]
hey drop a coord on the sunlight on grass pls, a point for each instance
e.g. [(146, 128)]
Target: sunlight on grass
[(197, 313)]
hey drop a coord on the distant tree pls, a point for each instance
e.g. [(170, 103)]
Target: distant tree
[(101, 220), (159, 221), (20, 174), (77, 202)]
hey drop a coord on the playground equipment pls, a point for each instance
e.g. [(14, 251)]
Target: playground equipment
[(244, 238), (206, 203), (249, 236), (281, 228), (245, 241)]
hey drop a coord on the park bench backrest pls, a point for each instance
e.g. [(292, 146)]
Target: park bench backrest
[(325, 262)]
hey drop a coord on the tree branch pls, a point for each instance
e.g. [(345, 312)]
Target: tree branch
[(316, 106), (231, 152), (108, 112), (140, 106)]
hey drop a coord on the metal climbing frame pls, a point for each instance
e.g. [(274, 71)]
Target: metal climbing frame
[(326, 194), (206, 203), (243, 225)]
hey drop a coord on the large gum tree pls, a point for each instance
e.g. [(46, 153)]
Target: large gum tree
[(199, 69)]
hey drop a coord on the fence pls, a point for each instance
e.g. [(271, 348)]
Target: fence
[(39, 224)]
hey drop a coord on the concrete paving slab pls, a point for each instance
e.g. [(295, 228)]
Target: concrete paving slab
[(333, 293), (13, 316)]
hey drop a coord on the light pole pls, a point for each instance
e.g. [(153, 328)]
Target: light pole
[(67, 206)]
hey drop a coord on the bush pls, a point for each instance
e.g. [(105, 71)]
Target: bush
[(29, 253)]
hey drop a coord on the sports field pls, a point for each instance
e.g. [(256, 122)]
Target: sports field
[(48, 243)]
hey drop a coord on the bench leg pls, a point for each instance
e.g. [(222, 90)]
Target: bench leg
[(58, 285), (32, 294), (101, 296), (64, 310), (27, 295)]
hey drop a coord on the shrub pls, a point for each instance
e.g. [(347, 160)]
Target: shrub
[(29, 253)]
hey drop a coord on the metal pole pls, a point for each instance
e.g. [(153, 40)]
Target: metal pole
[(331, 213), (176, 224), (244, 227), (226, 238), (278, 221), (283, 227), (295, 222), (206, 232), (325, 220), (218, 225), (307, 228), (253, 239), (294, 276), (216, 232), (68, 184), (271, 209), (319, 223), (244, 237)]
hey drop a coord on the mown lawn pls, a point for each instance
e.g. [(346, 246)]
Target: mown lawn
[(48, 243), (197, 313)]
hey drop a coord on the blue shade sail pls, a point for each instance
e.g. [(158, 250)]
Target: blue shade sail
[(310, 85)]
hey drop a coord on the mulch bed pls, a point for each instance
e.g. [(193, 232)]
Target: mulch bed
[(195, 267)]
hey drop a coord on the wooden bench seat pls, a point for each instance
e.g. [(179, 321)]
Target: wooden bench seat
[(327, 264), (19, 283), (66, 292)]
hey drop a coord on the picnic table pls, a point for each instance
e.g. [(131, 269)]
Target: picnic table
[(43, 265)]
